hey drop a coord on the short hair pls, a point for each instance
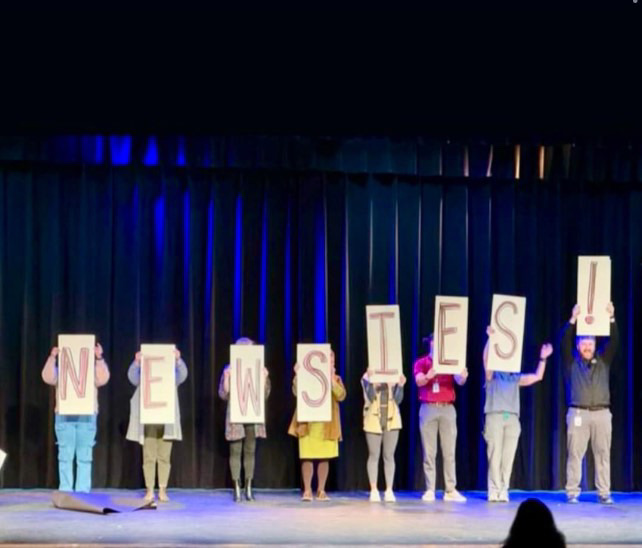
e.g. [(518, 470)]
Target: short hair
[(579, 338), (427, 340)]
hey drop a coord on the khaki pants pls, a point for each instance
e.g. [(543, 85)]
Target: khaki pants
[(501, 432), (583, 425), (438, 419), (156, 450)]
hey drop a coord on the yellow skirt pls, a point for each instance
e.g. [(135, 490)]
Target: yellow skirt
[(313, 446)]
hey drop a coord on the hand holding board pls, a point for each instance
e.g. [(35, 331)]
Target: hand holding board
[(593, 294), (247, 384), (313, 383), (76, 385), (384, 343), (505, 344), (450, 336), (157, 384)]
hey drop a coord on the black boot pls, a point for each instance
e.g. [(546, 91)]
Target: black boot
[(248, 490), (237, 491)]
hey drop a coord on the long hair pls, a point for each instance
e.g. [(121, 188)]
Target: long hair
[(534, 526)]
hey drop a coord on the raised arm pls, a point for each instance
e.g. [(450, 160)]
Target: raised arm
[(397, 391), (224, 384), (527, 379), (338, 389), (569, 337), (614, 338), (101, 378), (133, 373), (368, 387), (489, 374), (50, 370), (422, 379), (181, 371)]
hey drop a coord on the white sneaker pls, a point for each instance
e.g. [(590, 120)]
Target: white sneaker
[(389, 496), (429, 496), (493, 497), (503, 497), (454, 496), (374, 496)]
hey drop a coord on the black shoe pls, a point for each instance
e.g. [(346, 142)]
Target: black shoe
[(237, 491), (248, 490)]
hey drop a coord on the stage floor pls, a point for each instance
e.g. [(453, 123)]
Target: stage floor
[(278, 517)]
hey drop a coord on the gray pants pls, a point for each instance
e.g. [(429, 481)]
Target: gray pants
[(442, 419), (375, 441), (583, 425), (247, 447), (501, 432)]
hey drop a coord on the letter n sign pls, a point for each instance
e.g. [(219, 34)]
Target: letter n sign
[(76, 386), (505, 344), (247, 384), (384, 343), (157, 384), (451, 329)]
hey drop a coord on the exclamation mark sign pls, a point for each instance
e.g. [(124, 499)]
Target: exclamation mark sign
[(591, 293)]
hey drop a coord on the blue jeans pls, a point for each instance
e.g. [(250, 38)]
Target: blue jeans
[(75, 435)]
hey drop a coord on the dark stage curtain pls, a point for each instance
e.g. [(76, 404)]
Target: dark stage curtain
[(200, 256)]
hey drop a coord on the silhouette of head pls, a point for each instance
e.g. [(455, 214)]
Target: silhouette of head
[(534, 526)]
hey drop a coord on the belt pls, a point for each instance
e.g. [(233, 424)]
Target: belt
[(438, 403), (591, 407)]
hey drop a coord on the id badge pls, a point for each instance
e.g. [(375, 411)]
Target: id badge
[(435, 388)]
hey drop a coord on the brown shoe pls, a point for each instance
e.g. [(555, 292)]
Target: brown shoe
[(162, 494)]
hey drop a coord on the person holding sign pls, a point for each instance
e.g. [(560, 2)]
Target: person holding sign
[(156, 439), (502, 428), (75, 434), (318, 441), (437, 415), (588, 418), (381, 423), (241, 436)]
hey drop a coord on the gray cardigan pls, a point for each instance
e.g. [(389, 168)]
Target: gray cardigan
[(135, 430)]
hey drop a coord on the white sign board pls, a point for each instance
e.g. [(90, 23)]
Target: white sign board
[(593, 295), (3, 457), (247, 384), (505, 345), (313, 383), (384, 343), (157, 384), (451, 329), (76, 391)]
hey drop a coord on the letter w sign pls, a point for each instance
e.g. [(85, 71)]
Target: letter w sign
[(247, 384)]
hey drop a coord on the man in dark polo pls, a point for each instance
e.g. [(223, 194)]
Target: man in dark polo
[(589, 418)]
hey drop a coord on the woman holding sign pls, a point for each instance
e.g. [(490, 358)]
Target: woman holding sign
[(381, 423), (502, 428), (75, 434), (241, 436), (318, 441), (156, 439)]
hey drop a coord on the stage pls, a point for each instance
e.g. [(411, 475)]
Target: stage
[(196, 517)]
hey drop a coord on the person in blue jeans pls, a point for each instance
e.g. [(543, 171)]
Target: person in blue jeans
[(75, 434)]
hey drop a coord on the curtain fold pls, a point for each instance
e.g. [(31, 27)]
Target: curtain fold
[(199, 257)]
